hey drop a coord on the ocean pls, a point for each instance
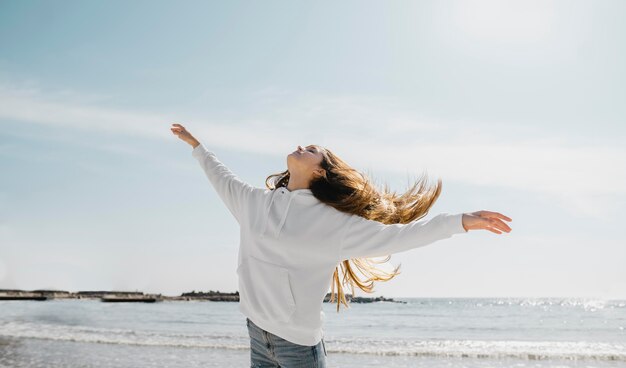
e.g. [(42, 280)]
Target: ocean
[(424, 332)]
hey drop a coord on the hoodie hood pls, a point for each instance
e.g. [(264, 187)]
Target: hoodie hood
[(280, 202)]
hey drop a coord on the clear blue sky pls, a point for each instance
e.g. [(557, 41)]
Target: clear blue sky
[(517, 106)]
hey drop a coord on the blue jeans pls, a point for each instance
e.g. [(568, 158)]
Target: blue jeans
[(269, 350)]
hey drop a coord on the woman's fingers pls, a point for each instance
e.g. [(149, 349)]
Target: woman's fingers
[(178, 131), (494, 215), (497, 215), (502, 216), (498, 224), (498, 228), (495, 219)]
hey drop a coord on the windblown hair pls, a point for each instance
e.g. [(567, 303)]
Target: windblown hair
[(350, 191)]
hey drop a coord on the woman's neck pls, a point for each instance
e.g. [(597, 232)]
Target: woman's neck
[(295, 184)]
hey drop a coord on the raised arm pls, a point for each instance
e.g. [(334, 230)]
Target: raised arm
[(234, 192), (368, 238)]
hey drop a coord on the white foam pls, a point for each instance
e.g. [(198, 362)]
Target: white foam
[(531, 350)]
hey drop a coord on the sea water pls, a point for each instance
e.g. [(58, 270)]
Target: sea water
[(424, 332)]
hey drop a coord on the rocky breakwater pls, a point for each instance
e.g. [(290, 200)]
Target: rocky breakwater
[(361, 299), (12, 294), (116, 296), (105, 296), (130, 297), (214, 296)]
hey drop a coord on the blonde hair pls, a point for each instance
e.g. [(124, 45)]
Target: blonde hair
[(350, 191)]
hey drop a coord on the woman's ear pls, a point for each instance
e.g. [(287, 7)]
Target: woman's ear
[(320, 173)]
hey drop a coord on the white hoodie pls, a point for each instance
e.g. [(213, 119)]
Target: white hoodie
[(290, 244)]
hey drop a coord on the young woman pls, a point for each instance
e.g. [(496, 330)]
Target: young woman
[(316, 215)]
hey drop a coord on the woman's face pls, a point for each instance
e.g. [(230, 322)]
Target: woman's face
[(305, 161)]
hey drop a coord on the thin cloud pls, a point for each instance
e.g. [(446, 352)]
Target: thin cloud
[(368, 131)]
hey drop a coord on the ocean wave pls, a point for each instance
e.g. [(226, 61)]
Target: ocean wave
[(122, 336), (490, 349)]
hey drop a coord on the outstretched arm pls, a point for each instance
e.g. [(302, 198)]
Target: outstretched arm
[(368, 238), (234, 192)]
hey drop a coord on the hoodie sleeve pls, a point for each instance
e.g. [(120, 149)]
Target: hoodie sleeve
[(368, 238), (234, 192)]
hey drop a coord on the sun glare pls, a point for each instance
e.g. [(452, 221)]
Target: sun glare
[(515, 21)]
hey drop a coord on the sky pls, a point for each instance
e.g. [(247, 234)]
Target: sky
[(518, 106)]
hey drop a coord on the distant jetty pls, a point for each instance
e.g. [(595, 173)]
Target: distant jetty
[(106, 296), (116, 296), (361, 299), (140, 297)]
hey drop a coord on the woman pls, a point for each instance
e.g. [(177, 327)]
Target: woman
[(315, 215)]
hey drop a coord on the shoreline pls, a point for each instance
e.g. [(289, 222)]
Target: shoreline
[(139, 296)]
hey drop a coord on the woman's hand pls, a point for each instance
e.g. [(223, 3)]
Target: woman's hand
[(487, 220), (183, 134)]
